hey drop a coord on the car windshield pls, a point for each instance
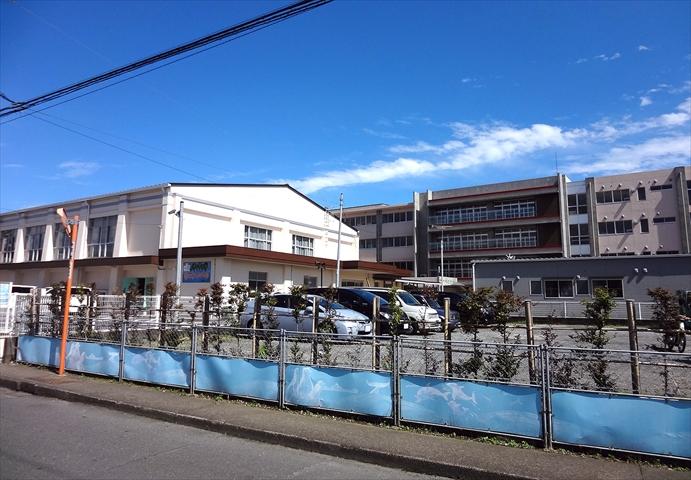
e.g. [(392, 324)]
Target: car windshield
[(369, 297), (324, 303), (408, 299), (433, 303)]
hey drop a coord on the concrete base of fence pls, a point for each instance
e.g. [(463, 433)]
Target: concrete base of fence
[(430, 454), (8, 349)]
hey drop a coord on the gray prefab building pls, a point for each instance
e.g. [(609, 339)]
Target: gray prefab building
[(575, 279)]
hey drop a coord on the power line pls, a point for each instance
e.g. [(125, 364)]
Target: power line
[(119, 137), (117, 147), (249, 25)]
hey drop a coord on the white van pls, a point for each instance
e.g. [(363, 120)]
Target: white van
[(423, 318)]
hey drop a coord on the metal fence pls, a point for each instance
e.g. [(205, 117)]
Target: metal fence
[(634, 401)]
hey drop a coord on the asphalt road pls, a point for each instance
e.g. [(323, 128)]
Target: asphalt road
[(49, 438)]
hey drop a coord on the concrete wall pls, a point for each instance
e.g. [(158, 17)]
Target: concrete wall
[(672, 272)]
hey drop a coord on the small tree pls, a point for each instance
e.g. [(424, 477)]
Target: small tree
[(597, 313), (666, 311), (504, 364), (396, 314), (238, 296), (561, 366), (472, 309), (298, 301)]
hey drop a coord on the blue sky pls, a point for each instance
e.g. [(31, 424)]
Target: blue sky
[(372, 99)]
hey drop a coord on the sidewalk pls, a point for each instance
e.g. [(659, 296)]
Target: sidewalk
[(430, 454)]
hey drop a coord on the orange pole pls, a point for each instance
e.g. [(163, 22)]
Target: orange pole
[(68, 297)]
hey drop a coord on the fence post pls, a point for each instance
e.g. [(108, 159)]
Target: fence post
[(565, 312), (548, 398), (256, 317), (640, 310), (376, 331), (282, 369), (530, 339), (193, 358), (205, 323), (396, 378), (448, 360), (633, 346), (123, 341), (315, 324)]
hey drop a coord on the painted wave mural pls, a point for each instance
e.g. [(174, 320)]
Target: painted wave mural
[(493, 407)]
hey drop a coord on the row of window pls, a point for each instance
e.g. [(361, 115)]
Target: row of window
[(403, 265), (393, 217), (569, 288), (387, 242), (101, 240), (613, 196), (503, 238), (361, 220), (479, 213), (260, 238), (397, 217)]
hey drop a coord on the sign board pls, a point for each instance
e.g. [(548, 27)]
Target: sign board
[(196, 272), (5, 290)]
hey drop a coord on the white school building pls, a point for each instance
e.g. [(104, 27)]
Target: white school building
[(231, 233)]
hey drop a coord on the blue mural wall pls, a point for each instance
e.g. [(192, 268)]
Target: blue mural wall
[(340, 389), (87, 357), (237, 376), (493, 407), (157, 366), (625, 422), (38, 350)]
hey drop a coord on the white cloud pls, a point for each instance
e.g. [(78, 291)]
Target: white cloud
[(643, 48), (650, 155), (581, 60), (375, 172), (645, 101), (668, 143), (384, 135), (74, 169), (606, 58), (11, 165)]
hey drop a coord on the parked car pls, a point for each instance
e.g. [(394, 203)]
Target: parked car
[(431, 302), (363, 301), (347, 322), (421, 317)]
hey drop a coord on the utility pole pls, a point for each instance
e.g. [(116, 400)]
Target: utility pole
[(338, 247), (178, 267), (71, 226)]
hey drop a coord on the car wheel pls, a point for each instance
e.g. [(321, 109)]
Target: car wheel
[(681, 346)]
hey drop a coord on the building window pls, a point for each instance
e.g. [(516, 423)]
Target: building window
[(259, 238), (396, 241), (368, 243), (582, 287), (397, 217), (101, 238), (615, 228), (613, 285), (579, 234), (660, 187), (688, 189), (535, 287), (309, 281), (645, 226), (558, 288), (352, 283), (62, 244), (667, 252), (303, 245), (257, 280), (507, 286), (34, 243), (664, 220), (361, 220), (452, 268), (402, 265), (7, 240), (641, 193), (612, 196), (578, 204)]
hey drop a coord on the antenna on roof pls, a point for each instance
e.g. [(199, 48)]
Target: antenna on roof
[(556, 163)]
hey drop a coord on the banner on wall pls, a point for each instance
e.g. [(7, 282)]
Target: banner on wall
[(196, 272)]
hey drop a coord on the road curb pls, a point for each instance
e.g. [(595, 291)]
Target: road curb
[(377, 457)]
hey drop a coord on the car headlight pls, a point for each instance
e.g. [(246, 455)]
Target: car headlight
[(385, 315)]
